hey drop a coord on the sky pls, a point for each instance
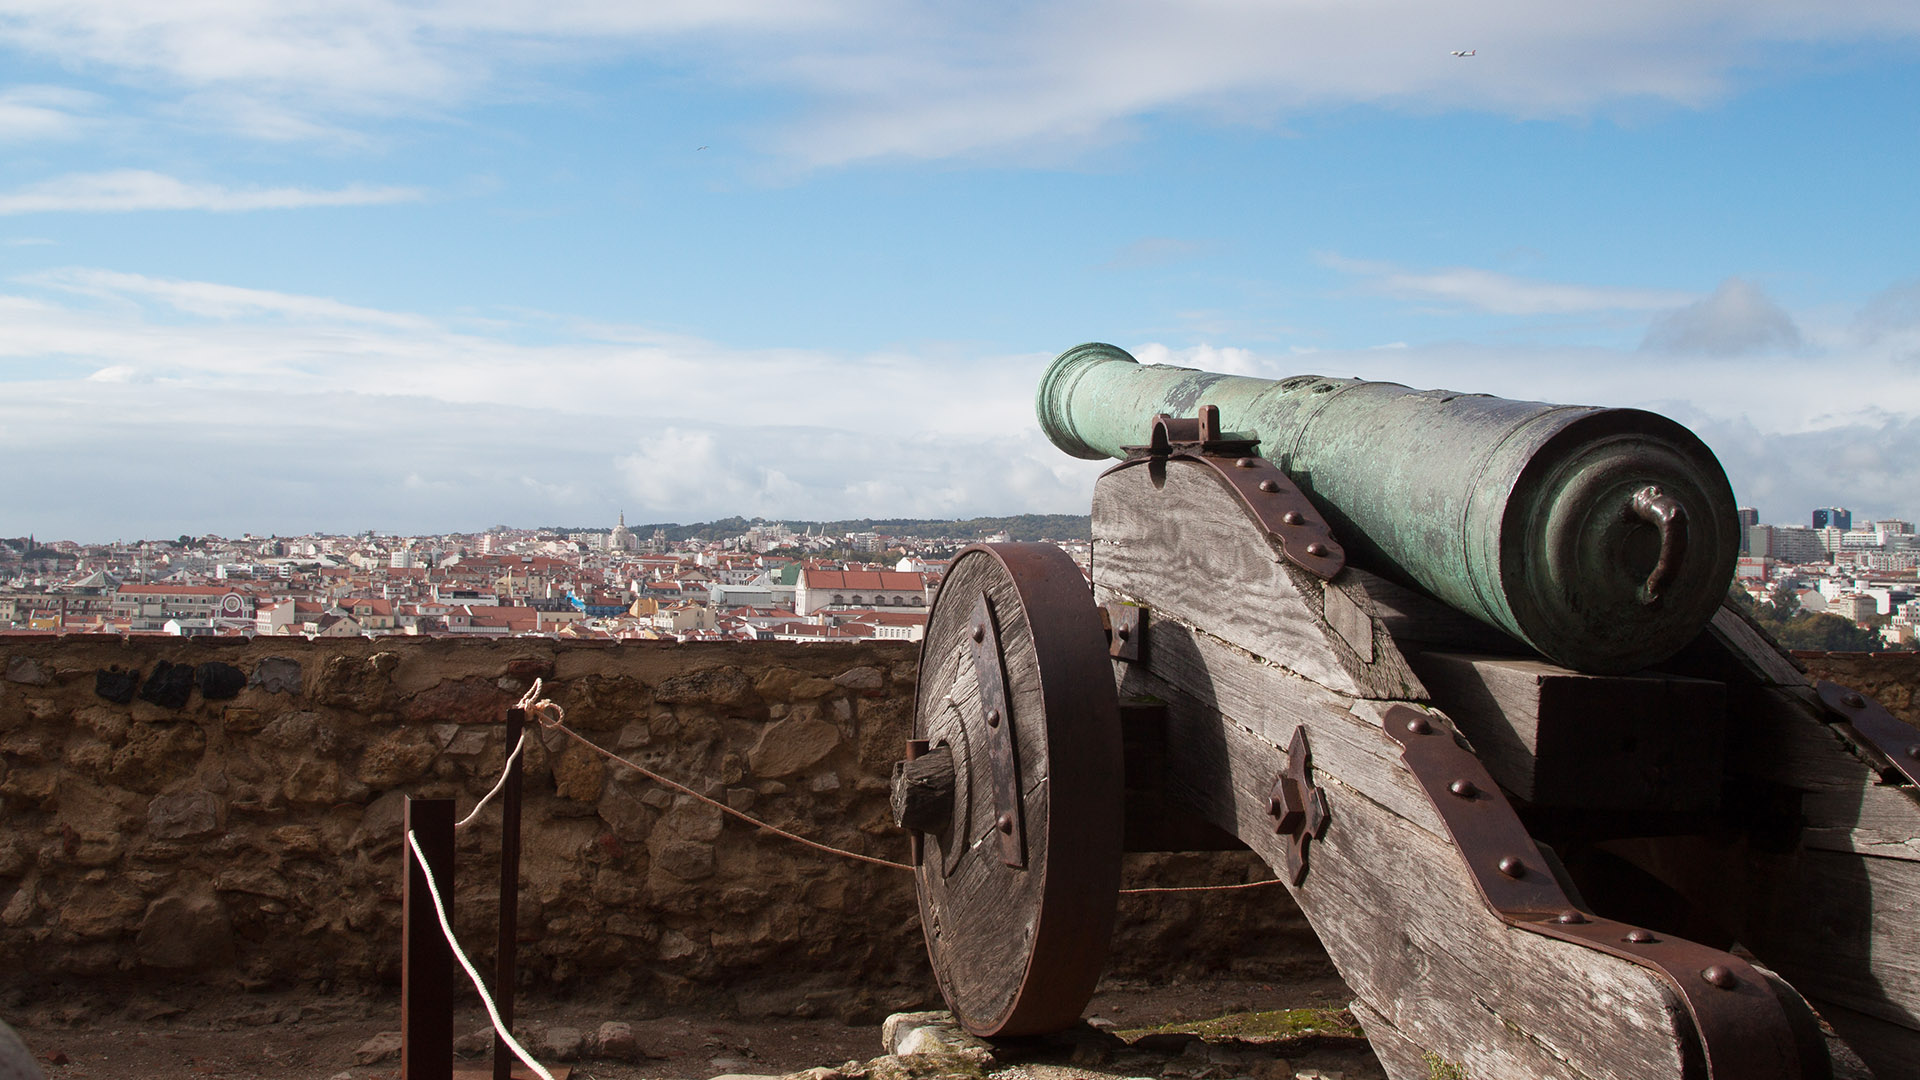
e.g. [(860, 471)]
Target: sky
[(428, 267)]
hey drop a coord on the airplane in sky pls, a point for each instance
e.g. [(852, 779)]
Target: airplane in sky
[(1465, 52)]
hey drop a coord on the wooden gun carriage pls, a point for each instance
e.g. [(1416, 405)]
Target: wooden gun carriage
[(1533, 846)]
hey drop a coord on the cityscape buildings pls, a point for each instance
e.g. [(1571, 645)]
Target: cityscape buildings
[(765, 583)]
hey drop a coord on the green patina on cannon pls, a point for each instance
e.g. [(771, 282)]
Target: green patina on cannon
[(1604, 538), (1458, 670)]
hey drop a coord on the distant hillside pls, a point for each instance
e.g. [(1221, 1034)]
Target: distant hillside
[(1019, 527)]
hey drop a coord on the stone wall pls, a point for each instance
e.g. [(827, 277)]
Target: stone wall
[(229, 813), (1891, 678)]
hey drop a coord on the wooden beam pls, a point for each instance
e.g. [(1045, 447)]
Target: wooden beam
[(426, 967), (1559, 738)]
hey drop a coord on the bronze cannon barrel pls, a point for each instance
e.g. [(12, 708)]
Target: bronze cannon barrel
[(1604, 538)]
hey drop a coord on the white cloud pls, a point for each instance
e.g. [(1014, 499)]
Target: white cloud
[(292, 408), (1501, 294), (938, 80), (162, 406), (139, 189), (1737, 319), (42, 112)]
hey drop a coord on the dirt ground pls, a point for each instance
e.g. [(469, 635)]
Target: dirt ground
[(303, 1036)]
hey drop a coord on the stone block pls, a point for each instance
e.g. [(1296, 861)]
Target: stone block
[(184, 931), (276, 675), (396, 758), (382, 1047), (169, 686), (219, 681), (614, 1040), (861, 678), (189, 813), (792, 745), (459, 701), (29, 671), (115, 685), (580, 774), (724, 685)]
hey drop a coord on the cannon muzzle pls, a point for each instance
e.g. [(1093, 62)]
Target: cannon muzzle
[(1603, 538)]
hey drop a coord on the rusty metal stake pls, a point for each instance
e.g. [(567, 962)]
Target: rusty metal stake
[(503, 960), (426, 960)]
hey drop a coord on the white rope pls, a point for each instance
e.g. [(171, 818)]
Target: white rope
[(453, 943), (488, 797)]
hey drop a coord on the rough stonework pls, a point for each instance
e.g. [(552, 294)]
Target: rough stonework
[(230, 812), (1891, 678)]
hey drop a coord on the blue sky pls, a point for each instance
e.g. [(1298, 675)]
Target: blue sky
[(430, 267)]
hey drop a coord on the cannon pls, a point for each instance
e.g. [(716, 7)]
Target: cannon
[(1462, 672)]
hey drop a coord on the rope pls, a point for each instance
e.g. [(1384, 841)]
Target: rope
[(453, 943), (1201, 888), (505, 771), (553, 717)]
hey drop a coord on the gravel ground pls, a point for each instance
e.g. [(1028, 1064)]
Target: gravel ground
[(1173, 1032)]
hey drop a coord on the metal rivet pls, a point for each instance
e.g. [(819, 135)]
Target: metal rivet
[(1463, 788), (1006, 823), (1316, 548), (1293, 517), (1512, 866), (1854, 700), (1914, 751), (1419, 726), (1269, 486), (993, 717), (1123, 633), (1639, 937), (1246, 463), (980, 632), (1721, 977), (1570, 918)]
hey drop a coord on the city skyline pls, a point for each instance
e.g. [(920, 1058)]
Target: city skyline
[(421, 268)]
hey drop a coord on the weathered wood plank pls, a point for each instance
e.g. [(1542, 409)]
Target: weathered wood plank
[(1751, 648), (1203, 561), (1561, 738), (971, 897), (1272, 701), (1401, 919), (1413, 619), (1838, 913)]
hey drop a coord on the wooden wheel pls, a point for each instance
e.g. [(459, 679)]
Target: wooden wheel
[(1019, 866)]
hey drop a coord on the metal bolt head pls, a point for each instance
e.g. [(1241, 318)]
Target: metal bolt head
[(1853, 700), (1721, 976), (980, 631), (1640, 937), (1246, 463), (1316, 548), (1006, 823), (1570, 918), (1294, 517), (993, 718), (1512, 867), (1466, 789), (1914, 751), (1419, 726), (1269, 486)]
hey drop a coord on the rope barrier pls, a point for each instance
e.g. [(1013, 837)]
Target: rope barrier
[(539, 708), (552, 716), (1200, 888), (505, 771), (459, 954)]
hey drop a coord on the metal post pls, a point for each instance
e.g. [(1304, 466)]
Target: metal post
[(503, 967), (426, 960)]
